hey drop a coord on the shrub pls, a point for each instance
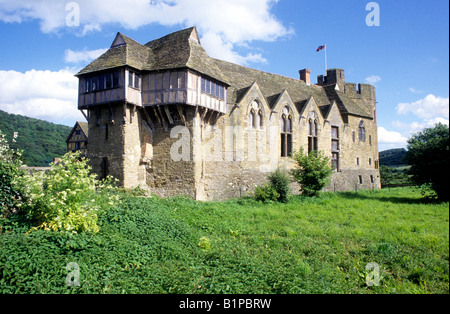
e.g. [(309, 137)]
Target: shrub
[(386, 174), (66, 197), (10, 195), (266, 193), (313, 171), (279, 180)]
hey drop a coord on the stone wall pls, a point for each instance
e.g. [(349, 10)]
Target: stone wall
[(208, 155), (106, 141)]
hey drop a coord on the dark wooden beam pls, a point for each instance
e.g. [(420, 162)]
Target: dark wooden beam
[(180, 112), (84, 114), (169, 116), (149, 120), (166, 127), (203, 116), (157, 116)]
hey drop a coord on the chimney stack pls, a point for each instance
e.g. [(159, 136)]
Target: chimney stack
[(305, 76)]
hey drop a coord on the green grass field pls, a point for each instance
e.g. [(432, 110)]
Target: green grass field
[(321, 245)]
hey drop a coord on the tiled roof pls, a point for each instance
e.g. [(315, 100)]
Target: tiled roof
[(271, 85), (84, 127), (345, 104), (182, 49), (178, 50)]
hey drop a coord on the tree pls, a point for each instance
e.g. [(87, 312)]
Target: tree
[(428, 155), (386, 174), (313, 171)]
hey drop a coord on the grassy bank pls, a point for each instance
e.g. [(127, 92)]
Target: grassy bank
[(320, 245)]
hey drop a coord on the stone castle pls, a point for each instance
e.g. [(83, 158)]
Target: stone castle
[(167, 117)]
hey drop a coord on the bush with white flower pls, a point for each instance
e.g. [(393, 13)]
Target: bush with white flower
[(67, 197), (10, 163)]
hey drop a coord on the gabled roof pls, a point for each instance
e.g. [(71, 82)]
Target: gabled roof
[(178, 50), (123, 51), (84, 126), (271, 85)]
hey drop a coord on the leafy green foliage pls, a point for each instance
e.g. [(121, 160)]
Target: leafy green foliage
[(309, 245), (280, 180), (266, 193), (428, 155), (66, 196), (313, 171), (39, 140), (10, 195), (390, 175), (204, 243), (386, 174), (276, 190)]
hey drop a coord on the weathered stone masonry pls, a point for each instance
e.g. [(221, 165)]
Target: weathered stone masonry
[(167, 117)]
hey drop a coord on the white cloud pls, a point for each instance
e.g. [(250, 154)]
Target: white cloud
[(373, 79), (408, 128), (432, 122), (84, 56), (430, 107), (43, 95), (414, 127), (224, 24), (415, 91), (390, 137), (218, 48)]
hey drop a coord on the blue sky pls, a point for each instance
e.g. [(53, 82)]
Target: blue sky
[(406, 57)]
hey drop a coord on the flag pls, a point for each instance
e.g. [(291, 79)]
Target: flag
[(320, 48)]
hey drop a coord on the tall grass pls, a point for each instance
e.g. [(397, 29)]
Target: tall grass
[(309, 245)]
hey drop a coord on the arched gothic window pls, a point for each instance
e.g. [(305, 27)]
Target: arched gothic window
[(313, 130), (255, 116), (362, 132), (286, 132)]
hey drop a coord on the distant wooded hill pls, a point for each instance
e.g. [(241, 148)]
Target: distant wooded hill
[(393, 157), (41, 141)]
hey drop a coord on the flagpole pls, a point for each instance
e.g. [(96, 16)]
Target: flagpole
[(326, 66)]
